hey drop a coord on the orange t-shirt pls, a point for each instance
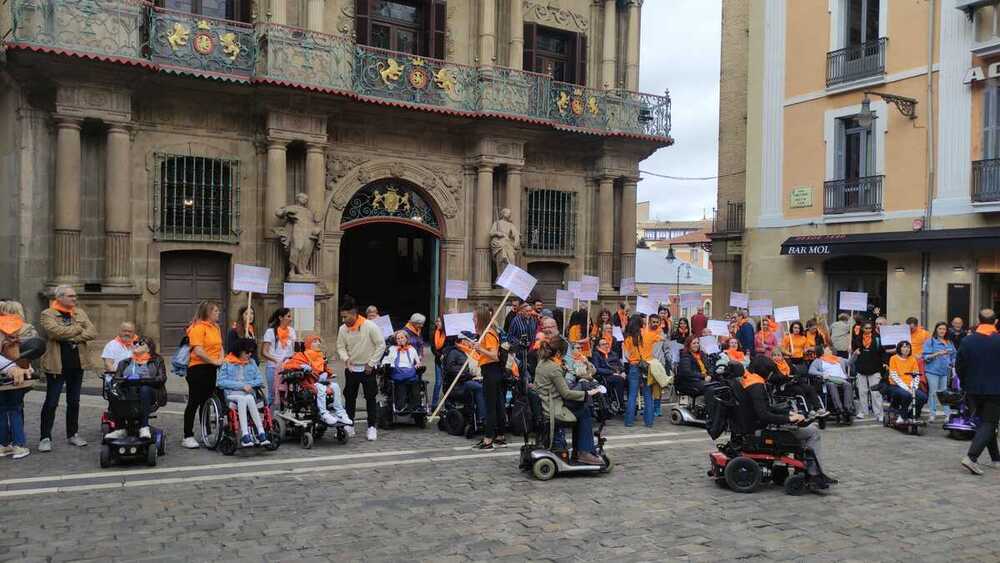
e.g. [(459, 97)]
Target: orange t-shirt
[(903, 367), (795, 344), (492, 343), (917, 339), (207, 335)]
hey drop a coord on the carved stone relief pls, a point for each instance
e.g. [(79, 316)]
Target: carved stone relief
[(549, 12), (370, 171), (106, 103)]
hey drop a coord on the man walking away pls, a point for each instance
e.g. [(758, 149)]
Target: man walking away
[(976, 365), (360, 346)]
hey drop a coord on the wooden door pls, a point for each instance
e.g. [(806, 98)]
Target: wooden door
[(186, 279)]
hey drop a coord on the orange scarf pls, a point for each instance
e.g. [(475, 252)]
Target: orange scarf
[(830, 359), (866, 340), (701, 364), (735, 355), (282, 334), (59, 307), (234, 359), (316, 361), (578, 356), (783, 367), (413, 329), (357, 324), (750, 378), (141, 358), (11, 324), (986, 330), (622, 319), (439, 339)]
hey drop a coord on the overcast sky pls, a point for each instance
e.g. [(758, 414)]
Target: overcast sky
[(680, 53)]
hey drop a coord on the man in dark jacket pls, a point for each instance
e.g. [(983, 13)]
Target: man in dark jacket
[(976, 365)]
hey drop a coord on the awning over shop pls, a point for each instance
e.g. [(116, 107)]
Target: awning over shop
[(898, 241)]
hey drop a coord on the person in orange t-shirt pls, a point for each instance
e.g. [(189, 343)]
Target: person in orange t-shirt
[(487, 353), (205, 340), (903, 368)]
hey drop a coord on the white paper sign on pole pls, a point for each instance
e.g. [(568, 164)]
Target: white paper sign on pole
[(574, 288), (822, 308), (691, 299), (645, 306), (384, 323), (300, 295), (675, 351), (659, 294), (853, 301), (739, 300), (456, 323), (892, 335), (564, 299), (616, 331), (709, 344), (518, 281), (627, 287), (250, 278), (718, 328), (588, 288), (786, 314), (305, 319), (456, 289), (761, 307)]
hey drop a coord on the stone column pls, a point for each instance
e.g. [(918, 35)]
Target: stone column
[(632, 50), (314, 15), (487, 32), (608, 59), (516, 60), (484, 219), (117, 208), (514, 191), (279, 12), (627, 223), (605, 232), (66, 206), (316, 178), (275, 196)]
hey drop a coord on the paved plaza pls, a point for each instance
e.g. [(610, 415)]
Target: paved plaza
[(421, 495)]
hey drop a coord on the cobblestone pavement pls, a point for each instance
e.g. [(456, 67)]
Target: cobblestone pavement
[(423, 495)]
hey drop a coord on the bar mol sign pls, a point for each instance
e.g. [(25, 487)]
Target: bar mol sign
[(976, 73)]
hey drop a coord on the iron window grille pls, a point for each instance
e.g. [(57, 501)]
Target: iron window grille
[(550, 223), (196, 199)]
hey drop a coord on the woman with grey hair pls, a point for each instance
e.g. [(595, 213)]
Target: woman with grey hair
[(13, 329)]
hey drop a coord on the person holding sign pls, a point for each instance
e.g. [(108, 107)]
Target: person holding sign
[(278, 346), (638, 351), (765, 340), (360, 346), (438, 340), (487, 353), (794, 345), (577, 335), (205, 340), (242, 328)]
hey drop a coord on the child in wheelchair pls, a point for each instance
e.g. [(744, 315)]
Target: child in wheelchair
[(239, 378), (145, 370), (309, 359), (402, 362)]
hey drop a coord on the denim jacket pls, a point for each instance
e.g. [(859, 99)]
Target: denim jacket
[(233, 377), (942, 364)]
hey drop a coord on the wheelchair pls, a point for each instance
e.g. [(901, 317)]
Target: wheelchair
[(962, 422), (124, 412), (459, 415), (220, 423), (616, 400), (905, 420), (299, 416), (389, 412), (842, 416)]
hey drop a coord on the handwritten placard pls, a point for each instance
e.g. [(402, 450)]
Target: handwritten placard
[(588, 288), (616, 331), (786, 314), (892, 335), (456, 289), (456, 323), (564, 299), (645, 306), (853, 301), (300, 295), (384, 323), (659, 293), (709, 344), (739, 300), (626, 287), (718, 328), (250, 278), (761, 307), (516, 280), (574, 288)]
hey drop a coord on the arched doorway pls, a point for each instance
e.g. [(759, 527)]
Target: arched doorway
[(857, 273), (390, 252)]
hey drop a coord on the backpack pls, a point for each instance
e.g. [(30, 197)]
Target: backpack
[(179, 361)]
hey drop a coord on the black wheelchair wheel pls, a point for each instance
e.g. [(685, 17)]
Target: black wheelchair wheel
[(779, 475), (384, 416), (795, 485), (822, 423), (307, 440), (280, 428), (213, 421), (151, 455), (105, 456), (105, 428), (227, 445), (342, 436), (743, 475), (420, 420), (454, 422)]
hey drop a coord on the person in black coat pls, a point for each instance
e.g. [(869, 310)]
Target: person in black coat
[(609, 366), (694, 369), (976, 365)]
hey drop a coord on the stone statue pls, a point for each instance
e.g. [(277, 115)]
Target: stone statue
[(300, 235), (505, 241)]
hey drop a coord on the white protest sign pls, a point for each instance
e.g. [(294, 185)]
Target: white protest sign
[(250, 278), (456, 289), (739, 300), (718, 328), (616, 331), (574, 288), (627, 287), (821, 308), (709, 344), (761, 307), (675, 351), (786, 314), (300, 295), (645, 306), (892, 335), (564, 299), (588, 288), (516, 280), (456, 323), (659, 294), (384, 323), (853, 301), (691, 299)]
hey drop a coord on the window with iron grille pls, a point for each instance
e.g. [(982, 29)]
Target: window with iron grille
[(196, 198), (550, 223)]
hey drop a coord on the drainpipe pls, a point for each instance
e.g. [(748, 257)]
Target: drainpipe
[(925, 257)]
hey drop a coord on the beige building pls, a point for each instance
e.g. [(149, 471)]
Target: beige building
[(146, 150), (871, 152)]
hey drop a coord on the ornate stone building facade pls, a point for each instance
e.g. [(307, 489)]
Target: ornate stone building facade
[(145, 149)]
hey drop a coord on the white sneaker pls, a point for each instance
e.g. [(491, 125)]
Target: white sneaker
[(930, 417), (860, 416), (45, 445), (899, 420), (372, 434), (115, 434), (145, 433), (76, 440), (20, 452), (328, 419), (350, 430), (345, 419), (6, 451), (190, 443)]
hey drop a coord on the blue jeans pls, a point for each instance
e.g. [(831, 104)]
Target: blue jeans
[(12, 418), (147, 396), (633, 379), (936, 383), (583, 431), (475, 388), (73, 381), (269, 373), (901, 398), (437, 383)]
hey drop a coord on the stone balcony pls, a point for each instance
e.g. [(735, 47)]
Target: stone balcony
[(137, 33)]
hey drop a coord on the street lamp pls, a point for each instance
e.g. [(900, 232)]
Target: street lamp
[(906, 106), (672, 259)]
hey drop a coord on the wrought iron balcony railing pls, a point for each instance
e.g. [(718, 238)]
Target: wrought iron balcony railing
[(136, 32), (730, 219), (986, 180), (856, 62), (856, 195)]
